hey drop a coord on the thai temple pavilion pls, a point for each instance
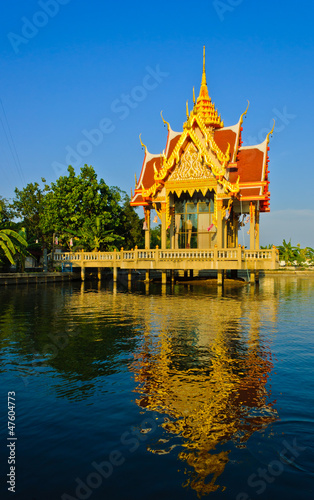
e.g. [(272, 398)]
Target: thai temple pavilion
[(204, 187), (205, 184)]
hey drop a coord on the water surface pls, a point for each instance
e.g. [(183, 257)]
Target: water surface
[(184, 392)]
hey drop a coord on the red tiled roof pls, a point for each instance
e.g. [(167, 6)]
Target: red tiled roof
[(224, 136)]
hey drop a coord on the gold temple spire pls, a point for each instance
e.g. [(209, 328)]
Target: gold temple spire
[(204, 71), (204, 106)]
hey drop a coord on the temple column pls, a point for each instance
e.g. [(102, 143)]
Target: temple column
[(252, 226), (163, 228), (147, 230), (257, 230), (83, 273), (219, 225), (172, 221), (236, 229), (225, 233)]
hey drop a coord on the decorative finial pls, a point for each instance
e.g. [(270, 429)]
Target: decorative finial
[(187, 110), (271, 132), (143, 145), (244, 114), (135, 181), (204, 71), (131, 194), (165, 122), (193, 96)]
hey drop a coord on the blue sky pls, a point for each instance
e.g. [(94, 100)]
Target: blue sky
[(81, 80)]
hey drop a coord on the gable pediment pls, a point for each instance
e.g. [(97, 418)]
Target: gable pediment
[(190, 167)]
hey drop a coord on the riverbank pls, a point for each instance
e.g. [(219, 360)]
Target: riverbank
[(22, 278)]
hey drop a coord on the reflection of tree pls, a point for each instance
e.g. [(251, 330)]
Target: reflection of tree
[(211, 395)]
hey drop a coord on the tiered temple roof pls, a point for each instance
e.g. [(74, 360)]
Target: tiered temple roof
[(241, 172)]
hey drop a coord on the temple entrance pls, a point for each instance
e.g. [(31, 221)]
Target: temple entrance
[(193, 221)]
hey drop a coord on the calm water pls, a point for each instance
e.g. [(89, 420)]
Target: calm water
[(173, 394)]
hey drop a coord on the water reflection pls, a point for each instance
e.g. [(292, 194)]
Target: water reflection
[(200, 360), (207, 369)]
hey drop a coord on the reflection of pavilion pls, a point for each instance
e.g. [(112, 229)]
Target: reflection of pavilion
[(210, 382)]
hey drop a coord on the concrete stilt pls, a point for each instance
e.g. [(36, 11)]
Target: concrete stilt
[(83, 273), (172, 276), (99, 274), (163, 277), (220, 277), (252, 277), (129, 276), (147, 276), (115, 274)]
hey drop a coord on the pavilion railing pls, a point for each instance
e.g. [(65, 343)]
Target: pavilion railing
[(116, 258)]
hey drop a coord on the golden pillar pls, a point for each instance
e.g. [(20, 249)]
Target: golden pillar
[(252, 226), (219, 225), (147, 230), (163, 228), (257, 230)]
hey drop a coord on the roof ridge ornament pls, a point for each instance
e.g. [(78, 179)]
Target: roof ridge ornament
[(244, 114), (165, 121), (271, 132), (143, 145)]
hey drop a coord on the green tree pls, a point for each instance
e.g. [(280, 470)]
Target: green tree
[(81, 205), (155, 236), (11, 243), (6, 214), (132, 230), (287, 252), (28, 205)]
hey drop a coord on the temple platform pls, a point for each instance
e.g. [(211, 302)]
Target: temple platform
[(164, 260)]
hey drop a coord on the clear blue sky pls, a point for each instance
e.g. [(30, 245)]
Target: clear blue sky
[(70, 70)]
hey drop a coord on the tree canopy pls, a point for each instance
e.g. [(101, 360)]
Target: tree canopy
[(81, 210)]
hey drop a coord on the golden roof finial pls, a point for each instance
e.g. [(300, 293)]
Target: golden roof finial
[(187, 109), (244, 114), (143, 145), (193, 96), (165, 122), (135, 180), (271, 132), (204, 71)]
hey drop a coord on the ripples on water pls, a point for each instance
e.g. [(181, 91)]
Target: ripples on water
[(198, 391)]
